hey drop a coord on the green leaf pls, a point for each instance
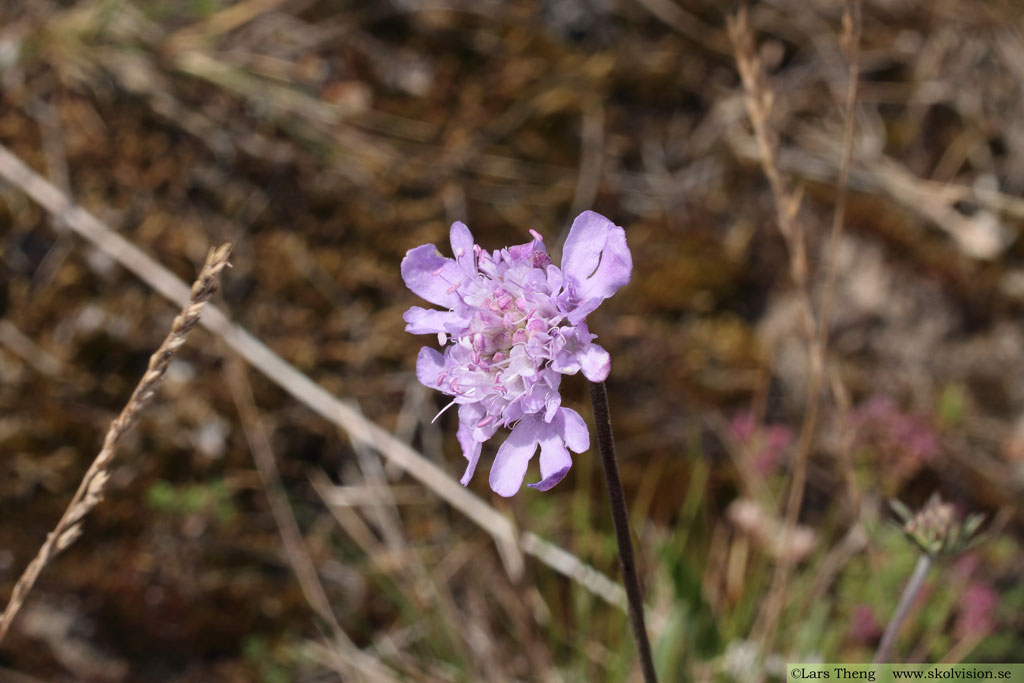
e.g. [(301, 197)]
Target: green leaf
[(901, 510), (700, 631)]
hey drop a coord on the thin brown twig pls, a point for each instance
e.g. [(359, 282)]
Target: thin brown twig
[(844, 455), (360, 664), (759, 102), (687, 24), (851, 41), (90, 491), (21, 345), (759, 99), (425, 586), (591, 166), (511, 544), (55, 153)]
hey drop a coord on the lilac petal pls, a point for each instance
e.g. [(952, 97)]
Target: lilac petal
[(469, 415), (554, 278), (513, 458), (551, 407), (462, 243), (472, 454), (536, 398), (555, 462), (573, 430), (431, 276), (512, 413), (596, 363), (570, 352), (521, 253), (567, 431), (596, 257), (566, 363), (431, 321), (481, 433), (533, 254), (583, 309), (429, 366)]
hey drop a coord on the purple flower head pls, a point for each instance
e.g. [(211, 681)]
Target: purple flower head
[(512, 325), (764, 444), (864, 628)]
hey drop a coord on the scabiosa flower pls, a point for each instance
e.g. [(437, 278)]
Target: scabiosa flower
[(513, 324)]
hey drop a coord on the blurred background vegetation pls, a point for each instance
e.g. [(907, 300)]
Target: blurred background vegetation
[(326, 138)]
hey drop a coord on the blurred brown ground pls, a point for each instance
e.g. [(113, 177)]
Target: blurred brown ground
[(326, 138)]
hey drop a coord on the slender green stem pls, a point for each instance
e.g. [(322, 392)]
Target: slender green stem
[(913, 587), (606, 444)]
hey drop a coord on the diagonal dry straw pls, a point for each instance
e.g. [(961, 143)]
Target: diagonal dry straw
[(511, 544), (90, 491)]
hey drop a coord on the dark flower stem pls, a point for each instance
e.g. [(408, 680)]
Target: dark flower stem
[(606, 444), (914, 585)]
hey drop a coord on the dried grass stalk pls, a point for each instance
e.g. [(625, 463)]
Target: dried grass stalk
[(90, 491), (510, 543), (759, 99), (350, 661)]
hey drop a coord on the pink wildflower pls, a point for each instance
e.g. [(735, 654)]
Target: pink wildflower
[(864, 628), (976, 606), (512, 325), (764, 444)]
